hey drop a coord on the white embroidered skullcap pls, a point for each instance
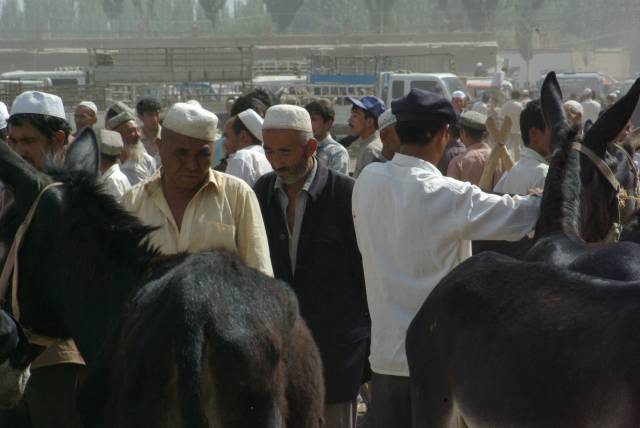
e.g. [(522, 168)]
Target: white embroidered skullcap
[(90, 105), (386, 119), (195, 103), (252, 121), (286, 116), (120, 119), (191, 121), (459, 95), (4, 115), (110, 142), (34, 102)]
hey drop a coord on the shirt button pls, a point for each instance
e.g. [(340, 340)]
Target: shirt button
[(282, 237)]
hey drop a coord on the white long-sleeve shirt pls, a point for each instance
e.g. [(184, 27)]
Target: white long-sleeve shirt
[(528, 173), (249, 164), (115, 182), (414, 226)]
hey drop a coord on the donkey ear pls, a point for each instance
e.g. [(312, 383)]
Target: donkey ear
[(19, 175), (612, 121), (83, 154), (552, 106)]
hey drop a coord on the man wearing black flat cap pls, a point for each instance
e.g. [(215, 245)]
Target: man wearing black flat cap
[(433, 220)]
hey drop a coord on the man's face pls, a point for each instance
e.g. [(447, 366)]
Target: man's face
[(458, 104), (83, 117), (150, 119), (185, 160), (31, 145), (129, 132), (231, 139), (320, 127), (358, 122), (288, 156)]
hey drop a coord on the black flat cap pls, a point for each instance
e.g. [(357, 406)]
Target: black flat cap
[(423, 105)]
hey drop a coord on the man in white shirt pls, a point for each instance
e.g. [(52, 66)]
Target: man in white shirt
[(114, 181), (137, 164), (531, 170), (243, 144), (414, 226), (512, 110), (592, 108)]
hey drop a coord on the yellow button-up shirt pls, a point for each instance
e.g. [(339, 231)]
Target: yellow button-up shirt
[(224, 213)]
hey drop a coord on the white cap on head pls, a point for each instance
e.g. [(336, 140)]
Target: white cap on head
[(90, 105), (4, 115), (574, 107), (386, 119), (34, 102), (191, 121), (587, 92), (459, 95), (252, 121), (287, 116)]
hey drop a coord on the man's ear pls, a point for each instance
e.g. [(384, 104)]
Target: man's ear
[(312, 145), (59, 139)]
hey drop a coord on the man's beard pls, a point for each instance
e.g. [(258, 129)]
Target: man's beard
[(293, 174), (135, 152)]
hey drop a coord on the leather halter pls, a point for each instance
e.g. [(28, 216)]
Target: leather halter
[(11, 263), (621, 194)]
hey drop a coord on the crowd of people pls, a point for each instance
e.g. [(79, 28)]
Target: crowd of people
[(361, 243)]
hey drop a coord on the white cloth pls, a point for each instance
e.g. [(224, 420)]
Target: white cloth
[(191, 121), (528, 173), (592, 110), (4, 115), (115, 182), (512, 109), (414, 226), (249, 164), (139, 171)]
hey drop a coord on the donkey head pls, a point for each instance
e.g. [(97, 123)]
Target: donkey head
[(80, 246), (591, 202)]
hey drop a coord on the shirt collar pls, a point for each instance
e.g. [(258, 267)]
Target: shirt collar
[(154, 183), (326, 140), (532, 154), (414, 162), (307, 183), (477, 146)]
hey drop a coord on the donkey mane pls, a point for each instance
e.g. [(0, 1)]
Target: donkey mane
[(126, 238)]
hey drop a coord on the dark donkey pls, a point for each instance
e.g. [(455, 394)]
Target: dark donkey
[(550, 341), (195, 340)]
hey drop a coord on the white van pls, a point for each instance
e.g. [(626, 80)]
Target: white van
[(392, 86)]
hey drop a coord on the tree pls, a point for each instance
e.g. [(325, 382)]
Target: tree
[(524, 42), (212, 9), (283, 11), (379, 13)]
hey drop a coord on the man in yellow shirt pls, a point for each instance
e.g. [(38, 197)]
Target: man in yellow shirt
[(195, 207)]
